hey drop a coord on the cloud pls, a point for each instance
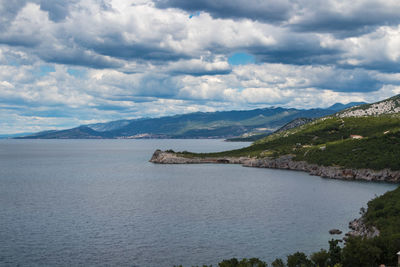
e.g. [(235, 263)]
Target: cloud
[(377, 50), (200, 67), (268, 11), (58, 10), (345, 18), (342, 18)]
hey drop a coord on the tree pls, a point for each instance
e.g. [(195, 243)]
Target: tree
[(360, 252), (335, 252), (278, 263), (320, 258), (229, 263), (253, 262), (298, 259)]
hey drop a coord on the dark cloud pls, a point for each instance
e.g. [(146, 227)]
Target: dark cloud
[(19, 40), (140, 51), (53, 112), (163, 86), (297, 49), (110, 107), (8, 10), (136, 99), (384, 66), (78, 58), (355, 21), (201, 72), (267, 10), (296, 55), (340, 18), (58, 10), (344, 80)]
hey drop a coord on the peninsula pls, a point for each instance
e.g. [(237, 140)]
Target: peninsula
[(359, 143)]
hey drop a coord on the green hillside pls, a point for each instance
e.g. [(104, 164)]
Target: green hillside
[(328, 141)]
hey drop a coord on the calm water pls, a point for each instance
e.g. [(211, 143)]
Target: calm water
[(100, 202)]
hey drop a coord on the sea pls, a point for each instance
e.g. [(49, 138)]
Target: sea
[(102, 203)]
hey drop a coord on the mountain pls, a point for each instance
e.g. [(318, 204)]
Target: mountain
[(251, 137), (340, 106), (109, 126), (293, 124), (222, 124), (6, 136), (81, 132)]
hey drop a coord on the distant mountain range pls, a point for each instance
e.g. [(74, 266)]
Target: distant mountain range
[(222, 124), (7, 136)]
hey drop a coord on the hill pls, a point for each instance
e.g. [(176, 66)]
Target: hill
[(222, 124), (340, 106), (251, 137), (387, 106)]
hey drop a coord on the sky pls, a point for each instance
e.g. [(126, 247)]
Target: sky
[(73, 62)]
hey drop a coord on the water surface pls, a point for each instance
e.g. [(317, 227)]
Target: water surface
[(100, 202)]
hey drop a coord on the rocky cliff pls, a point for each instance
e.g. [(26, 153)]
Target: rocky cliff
[(359, 228), (284, 162)]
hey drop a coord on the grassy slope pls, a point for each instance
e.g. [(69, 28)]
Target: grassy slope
[(376, 150)]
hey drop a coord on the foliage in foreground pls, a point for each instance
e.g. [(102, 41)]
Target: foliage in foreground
[(383, 212)]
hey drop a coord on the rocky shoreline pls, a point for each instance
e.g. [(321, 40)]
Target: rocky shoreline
[(284, 162), (359, 228)]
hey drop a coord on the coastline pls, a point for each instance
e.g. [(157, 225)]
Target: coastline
[(284, 162)]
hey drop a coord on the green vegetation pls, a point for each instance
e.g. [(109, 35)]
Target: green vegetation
[(383, 212), (249, 138), (328, 141)]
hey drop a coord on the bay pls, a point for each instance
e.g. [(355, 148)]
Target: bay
[(101, 203)]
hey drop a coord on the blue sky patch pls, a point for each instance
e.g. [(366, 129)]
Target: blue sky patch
[(45, 70), (241, 59), (76, 73), (195, 14)]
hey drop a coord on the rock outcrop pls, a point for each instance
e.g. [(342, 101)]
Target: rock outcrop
[(359, 228), (387, 106), (165, 157), (335, 232), (284, 162)]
